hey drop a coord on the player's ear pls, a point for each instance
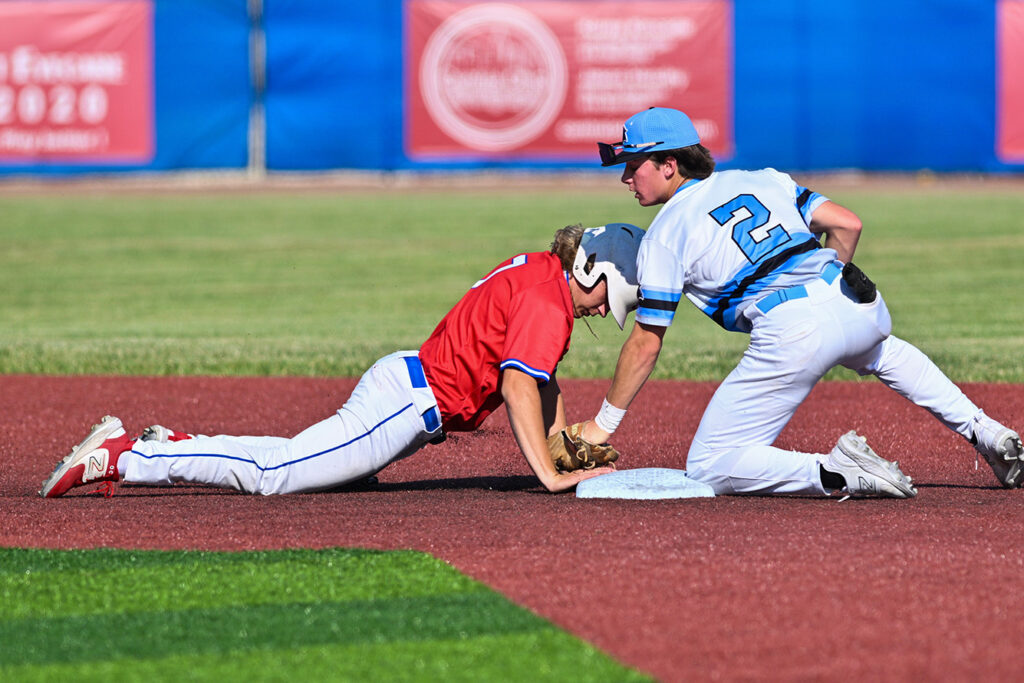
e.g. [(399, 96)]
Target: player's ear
[(669, 167)]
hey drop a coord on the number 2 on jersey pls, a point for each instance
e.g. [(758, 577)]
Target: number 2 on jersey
[(747, 217)]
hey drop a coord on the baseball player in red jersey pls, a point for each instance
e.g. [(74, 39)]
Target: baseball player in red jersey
[(501, 343)]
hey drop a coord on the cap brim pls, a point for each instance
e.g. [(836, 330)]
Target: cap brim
[(623, 157)]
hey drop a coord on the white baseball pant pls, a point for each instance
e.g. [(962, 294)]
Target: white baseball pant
[(390, 415), (791, 347)]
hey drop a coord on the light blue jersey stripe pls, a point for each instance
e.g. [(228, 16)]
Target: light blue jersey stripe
[(752, 291), (807, 201), (657, 306), (751, 270), (660, 294), (653, 316)]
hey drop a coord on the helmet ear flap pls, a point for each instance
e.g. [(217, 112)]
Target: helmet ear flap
[(583, 267)]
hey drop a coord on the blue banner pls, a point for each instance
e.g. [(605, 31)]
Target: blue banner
[(886, 85)]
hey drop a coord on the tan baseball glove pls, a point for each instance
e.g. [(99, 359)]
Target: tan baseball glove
[(570, 452)]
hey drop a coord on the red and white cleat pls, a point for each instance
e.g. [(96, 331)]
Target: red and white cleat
[(93, 460)]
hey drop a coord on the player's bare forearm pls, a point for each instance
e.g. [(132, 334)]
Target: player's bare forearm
[(523, 401), (637, 359), (841, 226), (553, 407)]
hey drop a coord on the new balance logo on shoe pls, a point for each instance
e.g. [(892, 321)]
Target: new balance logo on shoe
[(97, 466)]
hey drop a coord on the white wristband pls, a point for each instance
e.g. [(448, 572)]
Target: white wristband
[(609, 417)]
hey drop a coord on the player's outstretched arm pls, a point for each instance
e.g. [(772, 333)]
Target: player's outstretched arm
[(523, 402), (637, 359), (841, 226)]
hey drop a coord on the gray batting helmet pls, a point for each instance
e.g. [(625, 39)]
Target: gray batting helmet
[(610, 251)]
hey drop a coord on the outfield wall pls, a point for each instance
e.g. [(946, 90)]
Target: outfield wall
[(304, 85)]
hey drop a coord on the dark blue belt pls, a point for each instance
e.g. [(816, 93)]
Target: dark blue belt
[(431, 418), (769, 302)]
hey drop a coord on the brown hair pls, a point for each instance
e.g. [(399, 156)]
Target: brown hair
[(694, 161), (566, 244)]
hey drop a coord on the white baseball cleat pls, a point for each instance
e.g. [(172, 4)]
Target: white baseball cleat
[(93, 460), (866, 473), (1001, 448)]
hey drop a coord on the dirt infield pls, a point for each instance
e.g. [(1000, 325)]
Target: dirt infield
[(729, 588)]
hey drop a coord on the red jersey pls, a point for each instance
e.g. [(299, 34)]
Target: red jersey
[(518, 316)]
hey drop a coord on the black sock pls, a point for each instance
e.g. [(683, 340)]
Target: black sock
[(831, 480)]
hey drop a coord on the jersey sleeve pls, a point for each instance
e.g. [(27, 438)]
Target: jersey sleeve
[(538, 332), (661, 284), (807, 201)]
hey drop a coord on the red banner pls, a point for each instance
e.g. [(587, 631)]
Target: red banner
[(548, 78), (1010, 83), (76, 81)]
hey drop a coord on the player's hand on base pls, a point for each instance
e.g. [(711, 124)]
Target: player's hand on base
[(568, 480)]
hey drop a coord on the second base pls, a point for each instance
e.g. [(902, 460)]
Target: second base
[(645, 483)]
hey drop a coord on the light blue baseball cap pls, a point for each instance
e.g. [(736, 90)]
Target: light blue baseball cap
[(652, 130)]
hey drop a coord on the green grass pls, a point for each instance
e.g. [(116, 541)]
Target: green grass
[(319, 284), (287, 615), (314, 284)]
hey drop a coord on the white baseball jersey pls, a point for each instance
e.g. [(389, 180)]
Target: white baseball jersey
[(738, 245), (727, 241)]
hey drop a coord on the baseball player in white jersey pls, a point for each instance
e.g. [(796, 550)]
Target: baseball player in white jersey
[(744, 247)]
